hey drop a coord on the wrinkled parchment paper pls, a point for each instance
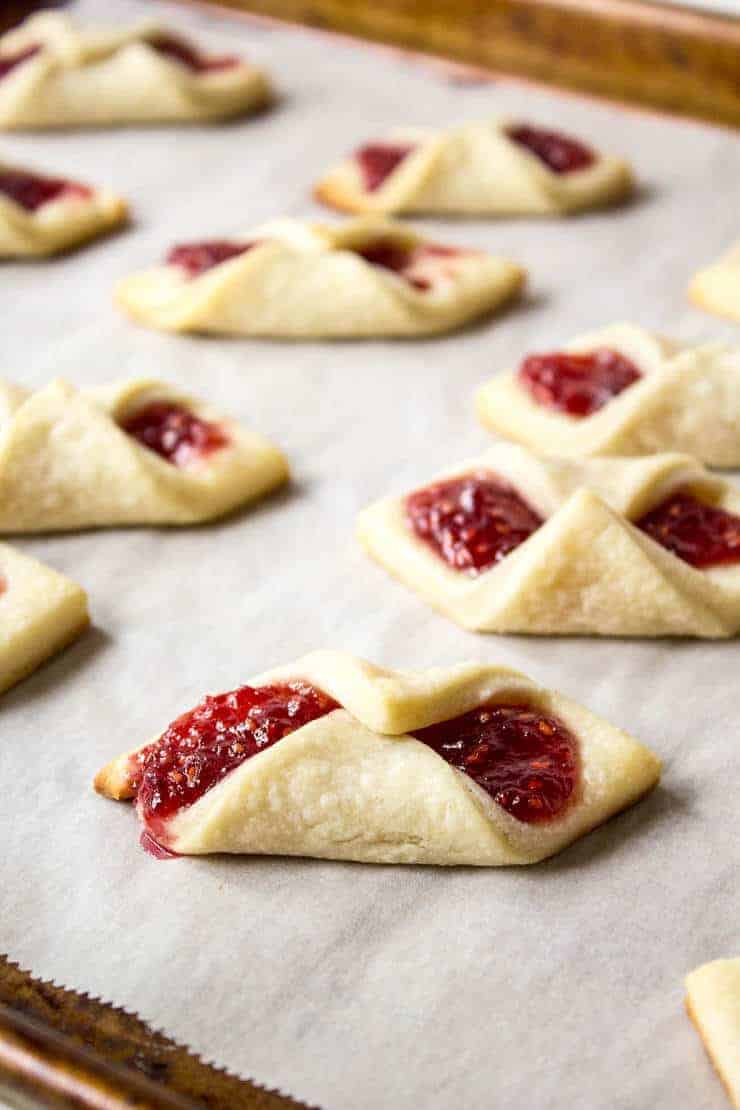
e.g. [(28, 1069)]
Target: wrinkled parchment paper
[(557, 986)]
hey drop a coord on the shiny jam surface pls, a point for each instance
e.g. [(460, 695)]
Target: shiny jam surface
[(378, 161), (578, 384), (560, 153), (32, 191), (196, 258), (181, 51), (471, 522), (526, 760), (405, 260), (174, 432), (700, 534), (204, 745), (8, 62)]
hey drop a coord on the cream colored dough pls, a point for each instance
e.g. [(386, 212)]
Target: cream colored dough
[(717, 287), (587, 569), (354, 785), (66, 464), (304, 281), (58, 225), (474, 170), (713, 1002), (688, 399), (101, 77), (41, 612)]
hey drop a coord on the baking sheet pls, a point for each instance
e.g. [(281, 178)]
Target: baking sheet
[(557, 986)]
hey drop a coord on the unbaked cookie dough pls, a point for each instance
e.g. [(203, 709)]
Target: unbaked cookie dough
[(501, 167), (42, 214), (41, 612), (333, 757), (621, 390), (515, 542), (54, 74), (296, 280), (134, 452)]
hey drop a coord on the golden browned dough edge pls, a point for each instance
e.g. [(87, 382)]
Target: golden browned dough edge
[(715, 1063)]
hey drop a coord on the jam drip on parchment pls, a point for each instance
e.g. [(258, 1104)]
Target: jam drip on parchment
[(700, 534), (471, 522), (577, 383), (528, 761)]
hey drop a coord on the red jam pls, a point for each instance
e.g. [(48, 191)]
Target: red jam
[(578, 384), (204, 745), (526, 760), (471, 522), (377, 161), (180, 51), (32, 191), (560, 153), (196, 258), (174, 432), (402, 259), (8, 62), (700, 534)]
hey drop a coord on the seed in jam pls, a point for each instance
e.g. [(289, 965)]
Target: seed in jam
[(377, 161), (528, 761), (578, 384), (471, 522), (31, 191), (202, 746), (560, 153), (175, 433), (8, 62), (196, 258), (181, 51), (700, 534)]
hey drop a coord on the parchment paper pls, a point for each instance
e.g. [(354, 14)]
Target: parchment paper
[(557, 986)]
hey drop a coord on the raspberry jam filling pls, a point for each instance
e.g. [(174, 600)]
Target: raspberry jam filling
[(32, 191), (377, 161), (560, 153), (471, 522), (700, 534), (10, 61), (405, 260), (526, 760), (180, 51), (196, 258), (578, 384), (175, 433), (201, 747)]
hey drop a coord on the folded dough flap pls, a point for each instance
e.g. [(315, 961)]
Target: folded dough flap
[(713, 1002), (353, 784)]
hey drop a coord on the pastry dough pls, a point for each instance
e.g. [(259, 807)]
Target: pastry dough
[(713, 1002), (41, 612), (587, 569), (103, 77), (302, 281), (354, 784), (688, 399), (476, 169), (68, 219), (717, 287), (66, 463)]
